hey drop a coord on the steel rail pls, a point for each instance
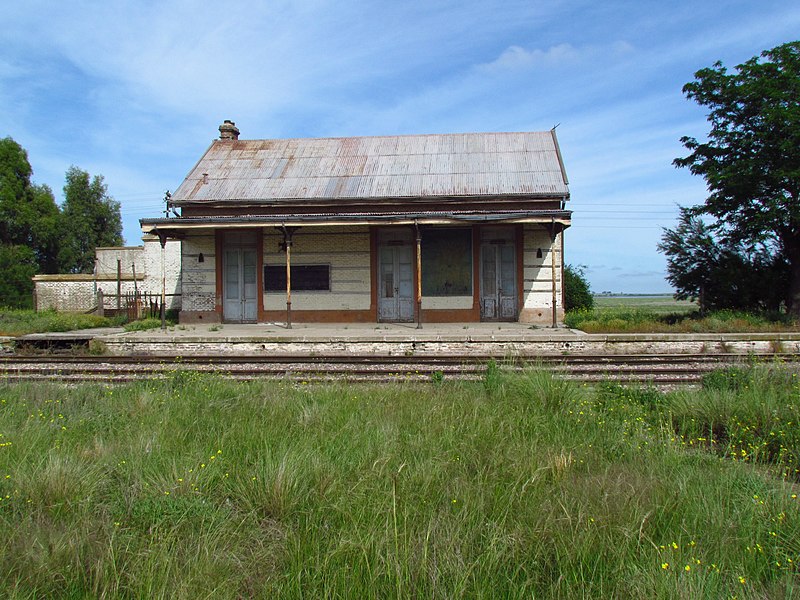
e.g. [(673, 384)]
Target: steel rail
[(659, 370), (459, 358)]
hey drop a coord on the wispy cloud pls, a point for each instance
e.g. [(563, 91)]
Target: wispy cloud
[(135, 90), (516, 58)]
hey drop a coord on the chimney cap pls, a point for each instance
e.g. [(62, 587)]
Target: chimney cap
[(228, 130)]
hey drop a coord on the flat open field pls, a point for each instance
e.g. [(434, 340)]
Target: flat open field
[(663, 314), (657, 303), (519, 486)]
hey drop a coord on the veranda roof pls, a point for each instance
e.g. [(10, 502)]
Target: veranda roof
[(174, 226)]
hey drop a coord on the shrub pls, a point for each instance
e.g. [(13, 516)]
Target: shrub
[(640, 320), (577, 295), (730, 378), (143, 324)]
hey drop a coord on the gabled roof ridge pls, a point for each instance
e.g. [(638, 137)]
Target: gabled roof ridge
[(386, 136)]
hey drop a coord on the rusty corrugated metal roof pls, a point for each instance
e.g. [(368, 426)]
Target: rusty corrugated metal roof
[(388, 167)]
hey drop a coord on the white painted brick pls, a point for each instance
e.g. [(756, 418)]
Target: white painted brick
[(318, 301), (447, 303), (347, 253), (199, 280), (78, 293)]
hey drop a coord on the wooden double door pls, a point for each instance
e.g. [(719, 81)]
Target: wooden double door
[(498, 291), (240, 278), (396, 277)]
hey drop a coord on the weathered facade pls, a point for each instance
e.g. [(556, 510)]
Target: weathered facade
[(430, 228), (118, 270)]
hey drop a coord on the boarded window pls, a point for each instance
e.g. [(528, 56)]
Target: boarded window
[(447, 262), (305, 278)]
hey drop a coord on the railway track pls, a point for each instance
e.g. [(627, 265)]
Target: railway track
[(658, 370)]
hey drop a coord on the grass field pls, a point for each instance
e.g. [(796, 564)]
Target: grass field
[(664, 314), (656, 303), (514, 487)]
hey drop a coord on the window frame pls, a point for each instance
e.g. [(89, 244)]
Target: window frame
[(468, 261), (281, 285)]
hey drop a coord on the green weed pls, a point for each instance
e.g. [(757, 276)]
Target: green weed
[(22, 322), (144, 324), (520, 485), (638, 319)]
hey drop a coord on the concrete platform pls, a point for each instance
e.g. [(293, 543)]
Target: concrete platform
[(60, 340), (400, 339), (78, 334)]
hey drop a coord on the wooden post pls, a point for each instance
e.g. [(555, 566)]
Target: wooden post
[(553, 267), (136, 298), (163, 239), (419, 276), (289, 282), (287, 243), (119, 285), (100, 301)]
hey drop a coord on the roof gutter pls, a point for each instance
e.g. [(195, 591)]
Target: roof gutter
[(562, 217)]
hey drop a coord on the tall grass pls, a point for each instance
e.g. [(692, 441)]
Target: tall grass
[(517, 486), (634, 319), (15, 322)]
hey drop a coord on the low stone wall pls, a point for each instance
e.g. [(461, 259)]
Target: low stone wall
[(78, 293)]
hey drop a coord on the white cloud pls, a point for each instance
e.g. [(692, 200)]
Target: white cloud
[(516, 58), (135, 90)]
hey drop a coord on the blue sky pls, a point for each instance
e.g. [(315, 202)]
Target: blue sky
[(135, 91)]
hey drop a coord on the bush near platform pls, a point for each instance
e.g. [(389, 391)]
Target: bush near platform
[(641, 320), (577, 295), (144, 324)]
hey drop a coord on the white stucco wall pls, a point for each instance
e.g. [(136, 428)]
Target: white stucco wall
[(151, 257), (537, 275), (106, 260), (347, 253), (447, 302), (199, 279), (79, 292)]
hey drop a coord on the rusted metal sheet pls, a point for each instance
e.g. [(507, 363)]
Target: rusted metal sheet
[(411, 166)]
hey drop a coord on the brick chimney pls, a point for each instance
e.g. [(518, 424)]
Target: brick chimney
[(228, 131)]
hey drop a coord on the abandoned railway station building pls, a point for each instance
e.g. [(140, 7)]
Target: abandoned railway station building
[(409, 228)]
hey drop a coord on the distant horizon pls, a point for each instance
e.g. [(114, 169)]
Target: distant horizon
[(633, 293)]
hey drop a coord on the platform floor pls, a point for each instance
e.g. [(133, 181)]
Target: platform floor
[(355, 331), (491, 339)]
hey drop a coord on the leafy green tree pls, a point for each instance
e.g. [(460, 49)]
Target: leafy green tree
[(91, 219), (28, 213), (17, 267), (29, 226), (577, 294), (751, 159), (720, 272)]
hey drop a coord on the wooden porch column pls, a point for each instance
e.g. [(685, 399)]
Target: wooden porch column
[(287, 244), (419, 276), (553, 232), (162, 238)]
